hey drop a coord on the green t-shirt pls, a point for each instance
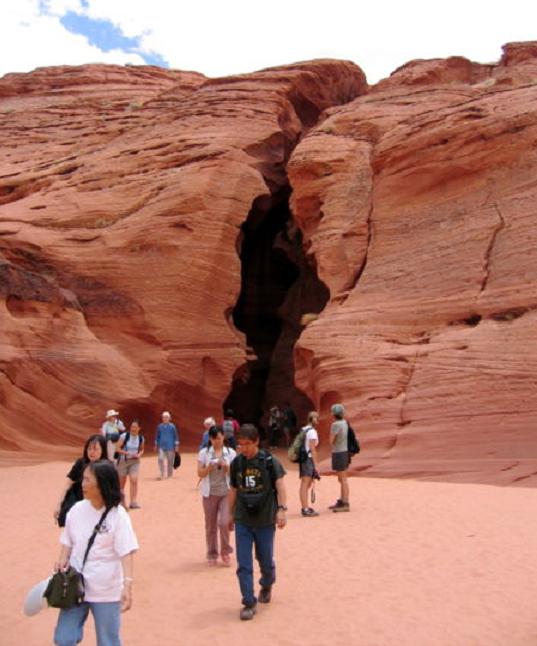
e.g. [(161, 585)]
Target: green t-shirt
[(256, 494)]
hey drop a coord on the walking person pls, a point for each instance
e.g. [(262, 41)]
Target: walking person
[(231, 428), (213, 470), (308, 465), (208, 424), (340, 456), (108, 568), (257, 503), (94, 449), (275, 426), (166, 443), (130, 448), (111, 429)]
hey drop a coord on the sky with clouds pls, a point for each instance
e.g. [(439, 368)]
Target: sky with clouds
[(218, 38)]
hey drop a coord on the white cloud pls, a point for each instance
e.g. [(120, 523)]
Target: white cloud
[(218, 37), (29, 40)]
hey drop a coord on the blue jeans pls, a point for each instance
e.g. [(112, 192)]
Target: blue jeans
[(263, 539), (70, 626)]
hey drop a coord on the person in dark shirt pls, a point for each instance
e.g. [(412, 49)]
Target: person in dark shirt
[(289, 423), (94, 449), (257, 502)]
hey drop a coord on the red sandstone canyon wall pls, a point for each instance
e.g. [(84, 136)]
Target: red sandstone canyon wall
[(122, 194), (418, 202), (123, 198)]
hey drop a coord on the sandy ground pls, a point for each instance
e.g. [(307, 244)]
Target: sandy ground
[(412, 564)]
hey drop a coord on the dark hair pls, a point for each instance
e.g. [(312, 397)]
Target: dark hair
[(107, 480), (215, 430), (95, 439), (248, 432)]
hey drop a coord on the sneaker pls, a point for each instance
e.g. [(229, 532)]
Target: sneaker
[(309, 512), (265, 594), (211, 562), (336, 504), (134, 505), (226, 560), (344, 506), (247, 613)]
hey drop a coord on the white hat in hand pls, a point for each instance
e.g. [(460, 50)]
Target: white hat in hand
[(35, 601)]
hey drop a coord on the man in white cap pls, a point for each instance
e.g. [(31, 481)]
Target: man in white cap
[(111, 429), (166, 443)]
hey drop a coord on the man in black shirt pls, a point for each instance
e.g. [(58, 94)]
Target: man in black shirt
[(257, 501)]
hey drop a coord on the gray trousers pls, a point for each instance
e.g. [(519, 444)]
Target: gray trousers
[(166, 458)]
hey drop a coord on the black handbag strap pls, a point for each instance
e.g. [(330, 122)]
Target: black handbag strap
[(93, 536)]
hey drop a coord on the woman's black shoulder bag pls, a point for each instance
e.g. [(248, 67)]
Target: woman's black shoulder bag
[(66, 589)]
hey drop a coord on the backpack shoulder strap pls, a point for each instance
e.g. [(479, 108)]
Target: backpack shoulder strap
[(269, 465)]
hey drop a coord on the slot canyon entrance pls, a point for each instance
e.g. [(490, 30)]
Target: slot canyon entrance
[(278, 286)]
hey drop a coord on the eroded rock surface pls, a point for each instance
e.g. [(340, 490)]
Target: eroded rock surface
[(122, 194), (418, 203)]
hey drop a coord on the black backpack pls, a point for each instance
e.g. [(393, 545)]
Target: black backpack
[(353, 446), (252, 501)]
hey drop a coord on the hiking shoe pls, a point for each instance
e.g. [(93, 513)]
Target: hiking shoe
[(338, 503), (265, 594), (247, 613), (344, 506), (309, 512)]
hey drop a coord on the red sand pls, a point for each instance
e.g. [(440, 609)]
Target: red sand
[(412, 564)]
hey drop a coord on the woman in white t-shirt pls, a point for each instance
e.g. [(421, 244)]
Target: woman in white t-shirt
[(307, 466), (108, 568), (213, 470)]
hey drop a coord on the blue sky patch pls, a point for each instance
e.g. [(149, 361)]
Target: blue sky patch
[(107, 36)]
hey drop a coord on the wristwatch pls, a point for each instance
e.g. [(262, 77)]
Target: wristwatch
[(282, 507)]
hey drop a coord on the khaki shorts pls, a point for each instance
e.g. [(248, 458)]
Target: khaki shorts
[(128, 467)]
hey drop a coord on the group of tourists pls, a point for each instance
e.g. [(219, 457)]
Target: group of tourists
[(242, 489)]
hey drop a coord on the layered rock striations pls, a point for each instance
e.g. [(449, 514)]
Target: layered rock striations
[(418, 203), (122, 196), (163, 236)]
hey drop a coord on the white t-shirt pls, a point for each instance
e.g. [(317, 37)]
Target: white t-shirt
[(311, 434), (103, 574), (204, 457)]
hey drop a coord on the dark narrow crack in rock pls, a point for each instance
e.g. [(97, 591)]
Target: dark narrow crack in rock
[(490, 247), (526, 477)]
